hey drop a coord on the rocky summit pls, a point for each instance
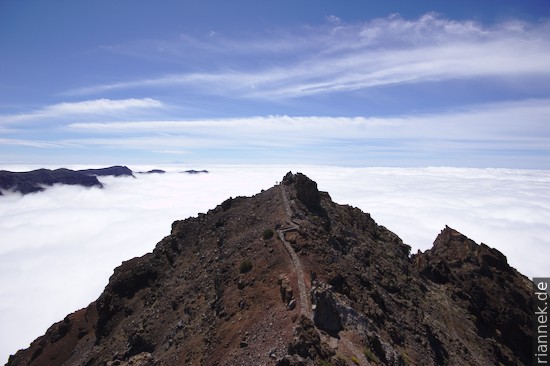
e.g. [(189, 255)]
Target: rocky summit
[(288, 277)]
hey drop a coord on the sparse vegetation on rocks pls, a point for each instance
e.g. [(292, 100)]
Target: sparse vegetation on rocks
[(371, 356), (267, 233), (245, 266)]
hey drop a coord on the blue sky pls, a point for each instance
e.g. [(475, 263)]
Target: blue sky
[(355, 83)]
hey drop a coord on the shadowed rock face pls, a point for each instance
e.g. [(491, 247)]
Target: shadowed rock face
[(188, 302), (306, 191), (34, 181), (482, 281)]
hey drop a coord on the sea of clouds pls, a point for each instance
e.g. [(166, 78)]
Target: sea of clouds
[(59, 247)]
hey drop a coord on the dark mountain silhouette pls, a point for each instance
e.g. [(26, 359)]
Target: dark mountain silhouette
[(153, 171), (192, 171), (288, 277), (115, 171), (34, 181)]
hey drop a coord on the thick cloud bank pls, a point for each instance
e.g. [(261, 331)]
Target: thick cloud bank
[(59, 247)]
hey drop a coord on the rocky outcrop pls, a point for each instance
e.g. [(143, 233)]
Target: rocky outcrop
[(333, 313), (36, 180), (306, 190), (287, 293), (326, 312), (190, 302), (482, 281), (307, 346)]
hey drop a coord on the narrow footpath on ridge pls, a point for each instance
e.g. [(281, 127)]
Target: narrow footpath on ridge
[(305, 303)]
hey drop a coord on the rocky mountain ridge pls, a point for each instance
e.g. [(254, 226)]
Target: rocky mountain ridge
[(36, 180), (288, 277)]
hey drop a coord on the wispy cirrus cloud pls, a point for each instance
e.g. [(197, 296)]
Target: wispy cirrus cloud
[(503, 131), (363, 90), (33, 143), (510, 133), (339, 57), (84, 108), (523, 122)]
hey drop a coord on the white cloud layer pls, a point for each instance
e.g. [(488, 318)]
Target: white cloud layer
[(59, 247), (347, 57), (95, 107)]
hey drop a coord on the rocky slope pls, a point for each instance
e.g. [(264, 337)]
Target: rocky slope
[(288, 277), (34, 181)]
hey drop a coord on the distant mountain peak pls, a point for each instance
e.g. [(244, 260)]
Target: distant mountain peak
[(193, 171), (35, 181)]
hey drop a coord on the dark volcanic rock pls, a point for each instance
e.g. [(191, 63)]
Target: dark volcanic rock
[(307, 342), (481, 280), (34, 181), (306, 190), (188, 302), (326, 315)]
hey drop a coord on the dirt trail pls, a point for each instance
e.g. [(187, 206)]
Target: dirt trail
[(305, 303)]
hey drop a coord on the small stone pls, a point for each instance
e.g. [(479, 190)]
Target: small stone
[(241, 284), (243, 344), (291, 304)]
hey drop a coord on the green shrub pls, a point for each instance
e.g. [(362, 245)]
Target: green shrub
[(245, 266), (267, 234), (406, 358), (355, 360)]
